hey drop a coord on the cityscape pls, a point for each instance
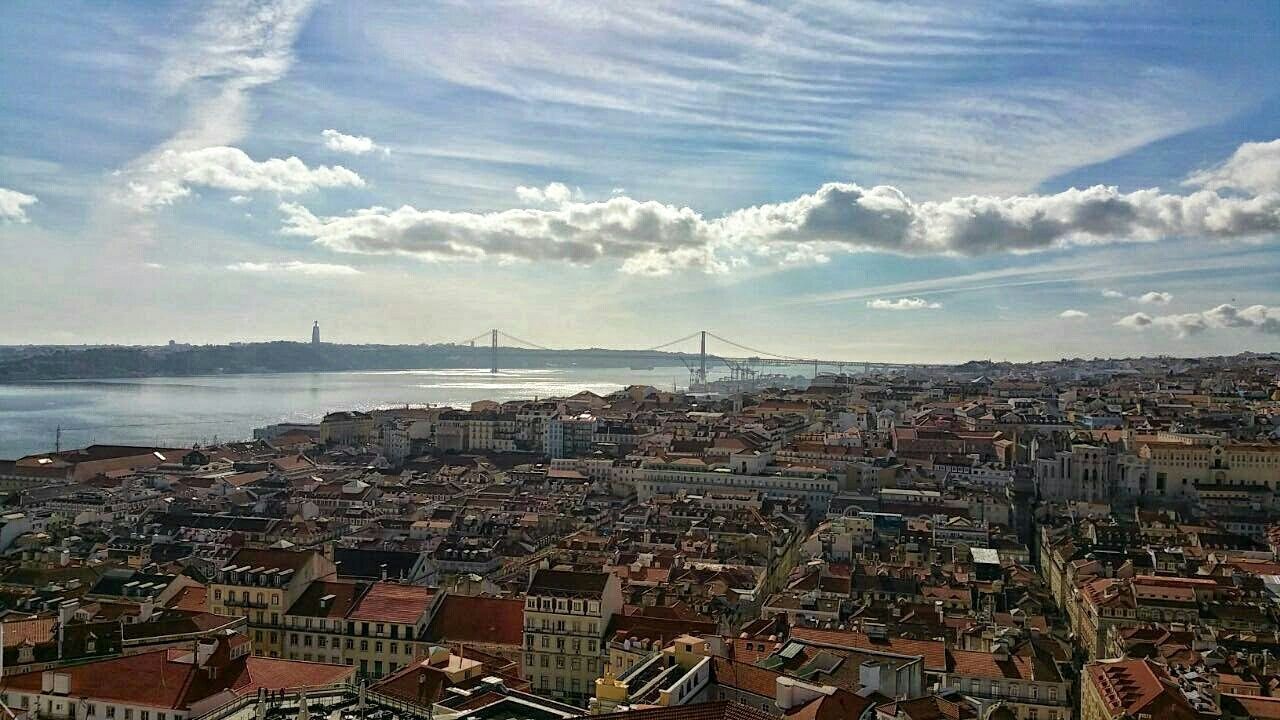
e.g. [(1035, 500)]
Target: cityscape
[(664, 360), (1084, 538)]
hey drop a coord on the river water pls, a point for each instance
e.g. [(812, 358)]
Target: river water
[(182, 411)]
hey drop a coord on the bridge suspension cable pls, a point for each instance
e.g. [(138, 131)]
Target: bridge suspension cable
[(536, 346), (690, 336), (756, 350), (481, 336)]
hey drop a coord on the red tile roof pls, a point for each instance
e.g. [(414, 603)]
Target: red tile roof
[(929, 707), (393, 603), (933, 652), (744, 677), (492, 620), (1130, 687), (970, 663), (37, 630), (193, 597), (840, 705), (160, 679), (1260, 708)]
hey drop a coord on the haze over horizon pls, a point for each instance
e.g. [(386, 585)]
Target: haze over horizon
[(910, 182)]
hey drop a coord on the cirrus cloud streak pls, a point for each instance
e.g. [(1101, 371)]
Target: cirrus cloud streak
[(294, 267)]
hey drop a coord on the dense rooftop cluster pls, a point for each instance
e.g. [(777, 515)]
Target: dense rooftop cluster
[(1083, 539)]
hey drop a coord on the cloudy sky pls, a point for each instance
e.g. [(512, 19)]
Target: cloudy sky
[(888, 181)]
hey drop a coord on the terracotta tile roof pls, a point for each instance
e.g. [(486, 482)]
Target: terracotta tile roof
[(393, 603), (1130, 687), (744, 677), (160, 679), (929, 707), (664, 630), (751, 650), (840, 705), (422, 683), (277, 674), (970, 663), (492, 620), (933, 652), (37, 630), (1260, 708), (193, 598)]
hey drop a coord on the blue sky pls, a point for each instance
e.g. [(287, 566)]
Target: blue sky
[(889, 181)]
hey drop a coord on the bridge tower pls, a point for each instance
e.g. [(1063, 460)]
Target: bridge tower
[(702, 366), (493, 352)]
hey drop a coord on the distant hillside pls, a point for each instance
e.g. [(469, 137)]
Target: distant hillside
[(69, 363)]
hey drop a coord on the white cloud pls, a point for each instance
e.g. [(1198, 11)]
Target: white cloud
[(1073, 314), (1154, 298), (850, 217), (1136, 321), (1255, 317), (209, 74), (1253, 167), (351, 144), (906, 303), (554, 194), (239, 199), (1113, 294), (1183, 325), (647, 237), (1258, 317), (13, 205), (837, 218), (294, 267), (173, 174), (153, 265)]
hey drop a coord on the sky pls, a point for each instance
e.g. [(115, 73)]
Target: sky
[(914, 182)]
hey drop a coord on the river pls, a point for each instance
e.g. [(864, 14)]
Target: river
[(182, 411)]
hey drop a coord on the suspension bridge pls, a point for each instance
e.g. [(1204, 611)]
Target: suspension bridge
[(740, 366)]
